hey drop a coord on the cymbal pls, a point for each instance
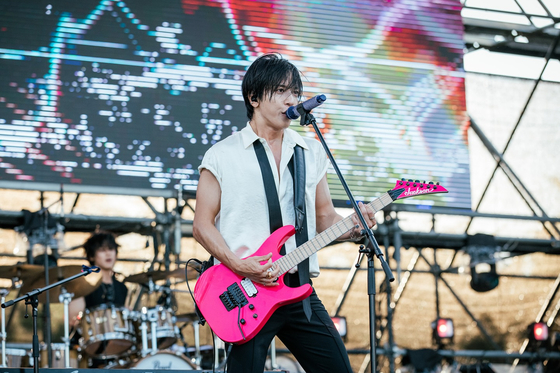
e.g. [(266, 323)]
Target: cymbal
[(80, 286), (21, 270), (145, 277)]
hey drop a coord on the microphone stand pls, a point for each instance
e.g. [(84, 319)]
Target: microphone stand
[(32, 298), (372, 248)]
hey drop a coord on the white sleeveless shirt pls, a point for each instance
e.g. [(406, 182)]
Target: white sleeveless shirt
[(243, 218)]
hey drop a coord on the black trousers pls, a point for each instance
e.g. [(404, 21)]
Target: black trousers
[(316, 344)]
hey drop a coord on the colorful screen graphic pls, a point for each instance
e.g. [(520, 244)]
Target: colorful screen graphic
[(126, 96)]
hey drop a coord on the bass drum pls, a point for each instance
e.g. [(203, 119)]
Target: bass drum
[(163, 360)]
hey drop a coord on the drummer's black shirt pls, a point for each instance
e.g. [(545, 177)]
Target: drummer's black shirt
[(110, 294)]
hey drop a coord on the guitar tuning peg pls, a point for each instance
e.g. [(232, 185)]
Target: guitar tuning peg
[(431, 182)]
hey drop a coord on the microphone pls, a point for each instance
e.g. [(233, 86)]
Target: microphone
[(294, 112)]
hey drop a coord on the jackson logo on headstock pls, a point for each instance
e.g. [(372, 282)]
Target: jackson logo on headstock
[(416, 191)]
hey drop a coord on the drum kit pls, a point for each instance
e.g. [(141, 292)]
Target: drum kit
[(142, 337)]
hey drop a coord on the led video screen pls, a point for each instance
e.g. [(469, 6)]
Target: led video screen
[(126, 96)]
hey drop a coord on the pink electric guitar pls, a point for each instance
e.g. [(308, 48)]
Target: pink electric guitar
[(237, 308)]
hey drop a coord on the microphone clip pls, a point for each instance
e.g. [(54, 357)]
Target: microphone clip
[(306, 118)]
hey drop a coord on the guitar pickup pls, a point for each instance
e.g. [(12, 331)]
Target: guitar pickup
[(249, 287), (233, 297)]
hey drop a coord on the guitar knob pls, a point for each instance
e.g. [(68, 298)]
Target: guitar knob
[(242, 321), (251, 307), (255, 315)]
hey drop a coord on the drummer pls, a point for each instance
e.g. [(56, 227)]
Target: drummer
[(101, 250)]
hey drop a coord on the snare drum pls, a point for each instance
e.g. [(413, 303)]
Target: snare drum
[(106, 332), (164, 360)]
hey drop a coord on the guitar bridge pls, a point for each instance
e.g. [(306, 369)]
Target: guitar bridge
[(233, 297)]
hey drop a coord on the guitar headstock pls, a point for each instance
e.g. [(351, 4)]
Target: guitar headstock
[(412, 188)]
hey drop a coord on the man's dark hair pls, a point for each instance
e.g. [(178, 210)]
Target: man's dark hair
[(97, 241), (265, 75)]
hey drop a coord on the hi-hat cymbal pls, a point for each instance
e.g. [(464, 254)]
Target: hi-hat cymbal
[(143, 278), (80, 286), (21, 271)]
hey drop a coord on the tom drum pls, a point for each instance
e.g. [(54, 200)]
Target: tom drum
[(106, 332)]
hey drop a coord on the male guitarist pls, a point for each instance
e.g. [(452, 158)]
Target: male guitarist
[(232, 217)]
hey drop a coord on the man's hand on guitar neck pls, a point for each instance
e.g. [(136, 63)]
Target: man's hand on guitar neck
[(356, 233), (255, 270)]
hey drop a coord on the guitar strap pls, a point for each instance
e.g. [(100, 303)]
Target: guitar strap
[(297, 169)]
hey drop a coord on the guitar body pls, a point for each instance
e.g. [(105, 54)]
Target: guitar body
[(218, 278)]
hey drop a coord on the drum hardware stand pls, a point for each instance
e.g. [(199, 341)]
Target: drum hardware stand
[(148, 317), (218, 343), (32, 298), (144, 331), (65, 298), (371, 251), (3, 293), (152, 318), (197, 354), (273, 364)]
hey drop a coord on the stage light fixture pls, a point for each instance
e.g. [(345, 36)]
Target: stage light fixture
[(340, 325), (443, 331), (538, 332), (482, 248)]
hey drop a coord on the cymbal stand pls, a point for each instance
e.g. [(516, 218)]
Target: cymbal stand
[(3, 293), (65, 298), (32, 299)]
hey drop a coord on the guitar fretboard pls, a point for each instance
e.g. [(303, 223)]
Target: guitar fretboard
[(324, 238)]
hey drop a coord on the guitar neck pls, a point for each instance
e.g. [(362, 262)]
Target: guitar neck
[(324, 238)]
